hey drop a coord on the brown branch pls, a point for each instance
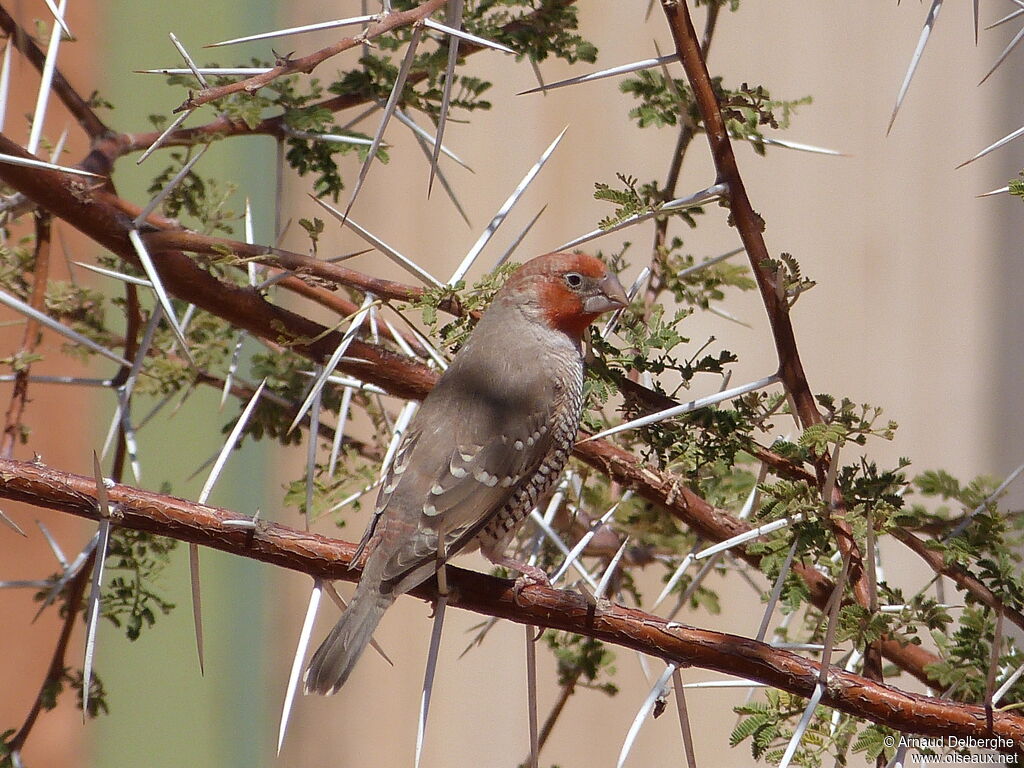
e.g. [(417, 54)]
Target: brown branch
[(76, 105), (194, 242), (751, 226), (307, 64), (961, 577), (326, 558), (55, 672), (275, 126), (19, 397)]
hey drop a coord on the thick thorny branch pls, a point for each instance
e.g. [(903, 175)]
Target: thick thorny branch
[(751, 226), (326, 558)]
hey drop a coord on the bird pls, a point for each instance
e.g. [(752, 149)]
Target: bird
[(487, 442)]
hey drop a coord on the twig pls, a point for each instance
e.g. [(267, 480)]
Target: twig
[(55, 672), (19, 397), (307, 64)]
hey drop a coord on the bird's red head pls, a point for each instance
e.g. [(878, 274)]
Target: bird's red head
[(569, 290)]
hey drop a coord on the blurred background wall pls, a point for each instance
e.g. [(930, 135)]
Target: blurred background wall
[(916, 310)]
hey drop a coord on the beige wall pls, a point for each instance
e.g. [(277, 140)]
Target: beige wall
[(911, 310)]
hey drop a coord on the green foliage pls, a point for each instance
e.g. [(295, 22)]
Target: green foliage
[(203, 201), (769, 725), (1016, 186), (631, 201), (665, 101), (135, 560), (582, 661), (453, 332)]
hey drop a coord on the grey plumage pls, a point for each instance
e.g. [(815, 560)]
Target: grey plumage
[(487, 442)]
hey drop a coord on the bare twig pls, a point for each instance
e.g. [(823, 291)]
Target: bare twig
[(19, 397)]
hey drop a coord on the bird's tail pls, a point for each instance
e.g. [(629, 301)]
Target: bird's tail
[(337, 655)]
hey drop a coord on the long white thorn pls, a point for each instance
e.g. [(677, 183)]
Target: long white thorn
[(197, 602), (116, 275), (230, 443), (43, 97), (54, 546), (339, 430), (992, 147), (428, 675), (1007, 685), (300, 654), (43, 319), (1006, 52), (988, 500), (193, 549), (439, 27), (684, 718), (753, 533), (432, 141), (28, 162), (352, 20), (173, 126), (406, 263), (442, 178), (577, 550), (621, 69), (657, 690), (168, 188), (92, 612), (519, 238), (389, 109), (311, 448), (5, 81), (801, 727), (531, 695), (332, 138), (692, 405), (161, 292), (216, 71), (606, 577), (707, 195), (455, 20), (555, 539), (188, 60), (677, 574), (776, 592), (1008, 17), (499, 217), (11, 524), (58, 17), (926, 30), (798, 147), (343, 345)]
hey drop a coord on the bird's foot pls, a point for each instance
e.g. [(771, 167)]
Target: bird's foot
[(529, 575)]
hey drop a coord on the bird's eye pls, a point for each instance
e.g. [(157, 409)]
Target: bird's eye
[(574, 280)]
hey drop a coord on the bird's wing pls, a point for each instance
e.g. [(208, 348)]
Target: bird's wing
[(455, 475)]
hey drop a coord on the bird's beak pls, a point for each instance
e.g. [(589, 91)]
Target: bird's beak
[(610, 296)]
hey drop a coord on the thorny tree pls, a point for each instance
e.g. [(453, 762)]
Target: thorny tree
[(687, 488)]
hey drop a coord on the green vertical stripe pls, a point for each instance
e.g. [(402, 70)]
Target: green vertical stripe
[(162, 712)]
